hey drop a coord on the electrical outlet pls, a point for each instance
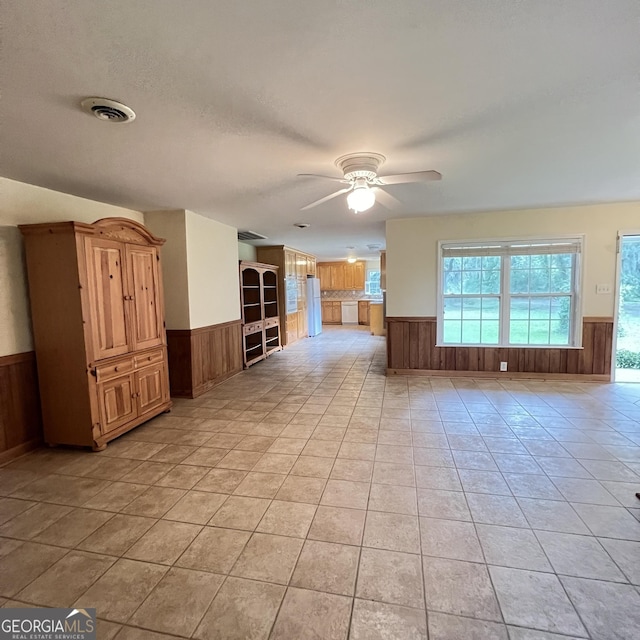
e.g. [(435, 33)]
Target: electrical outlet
[(503, 366)]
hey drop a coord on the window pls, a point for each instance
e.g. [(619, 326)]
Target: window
[(515, 293), (372, 283)]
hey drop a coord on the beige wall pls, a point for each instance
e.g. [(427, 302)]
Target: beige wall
[(246, 252), (412, 246), (171, 225), (372, 264), (27, 204), (212, 264)]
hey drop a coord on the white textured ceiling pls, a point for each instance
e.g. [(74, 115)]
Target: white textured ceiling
[(518, 103)]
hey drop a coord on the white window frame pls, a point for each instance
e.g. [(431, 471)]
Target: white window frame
[(367, 283), (504, 295)]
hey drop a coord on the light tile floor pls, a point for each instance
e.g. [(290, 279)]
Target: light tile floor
[(311, 497)]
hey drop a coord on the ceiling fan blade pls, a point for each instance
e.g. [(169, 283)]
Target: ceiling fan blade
[(386, 199), (329, 197), (317, 175), (416, 176)]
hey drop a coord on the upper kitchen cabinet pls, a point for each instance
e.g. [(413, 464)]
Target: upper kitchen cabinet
[(294, 267), (98, 324), (341, 276), (354, 275)]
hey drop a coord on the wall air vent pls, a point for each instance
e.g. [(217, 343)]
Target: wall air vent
[(250, 235)]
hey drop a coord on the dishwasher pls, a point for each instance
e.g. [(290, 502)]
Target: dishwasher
[(350, 312)]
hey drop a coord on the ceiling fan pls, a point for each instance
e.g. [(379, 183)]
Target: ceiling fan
[(360, 173)]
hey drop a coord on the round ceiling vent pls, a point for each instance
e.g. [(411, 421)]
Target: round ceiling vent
[(108, 110)]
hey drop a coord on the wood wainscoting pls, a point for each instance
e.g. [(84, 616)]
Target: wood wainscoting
[(411, 349), (199, 359), (20, 417)]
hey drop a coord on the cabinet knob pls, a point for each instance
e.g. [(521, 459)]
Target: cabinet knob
[(117, 369)]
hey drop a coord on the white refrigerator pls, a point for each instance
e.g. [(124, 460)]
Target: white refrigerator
[(314, 306)]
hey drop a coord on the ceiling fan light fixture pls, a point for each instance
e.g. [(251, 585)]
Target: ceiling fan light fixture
[(361, 198)]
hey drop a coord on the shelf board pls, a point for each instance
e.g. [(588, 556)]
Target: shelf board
[(252, 304), (262, 356), (257, 346)]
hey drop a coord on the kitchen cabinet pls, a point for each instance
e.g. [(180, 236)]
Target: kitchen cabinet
[(292, 327), (294, 267), (341, 276), (331, 312), (98, 324), (311, 266), (337, 277), (363, 312), (260, 311), (377, 319), (323, 271), (354, 276)]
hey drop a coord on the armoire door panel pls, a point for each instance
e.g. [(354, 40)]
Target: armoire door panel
[(146, 314), (107, 291), (116, 399), (151, 389)]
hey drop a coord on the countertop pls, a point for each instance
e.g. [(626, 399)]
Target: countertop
[(372, 300)]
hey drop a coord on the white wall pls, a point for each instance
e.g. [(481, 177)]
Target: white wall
[(372, 264), (212, 264), (247, 252), (27, 204), (412, 248), (171, 225)]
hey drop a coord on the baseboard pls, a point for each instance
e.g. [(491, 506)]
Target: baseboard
[(19, 450), (497, 375), (207, 386)]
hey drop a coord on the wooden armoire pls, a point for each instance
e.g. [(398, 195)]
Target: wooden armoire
[(98, 324)]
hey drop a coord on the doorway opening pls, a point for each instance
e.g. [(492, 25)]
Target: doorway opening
[(627, 365)]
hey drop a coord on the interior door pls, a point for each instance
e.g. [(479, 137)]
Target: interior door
[(146, 316), (107, 290)]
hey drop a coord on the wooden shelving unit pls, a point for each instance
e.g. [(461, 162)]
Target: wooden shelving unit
[(260, 315)]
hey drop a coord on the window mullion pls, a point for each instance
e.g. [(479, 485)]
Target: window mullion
[(505, 279), (573, 325)]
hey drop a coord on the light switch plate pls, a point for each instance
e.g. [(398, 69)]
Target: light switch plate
[(603, 288)]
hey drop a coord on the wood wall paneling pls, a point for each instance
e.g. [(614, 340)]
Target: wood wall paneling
[(20, 418), (199, 359), (411, 348)]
